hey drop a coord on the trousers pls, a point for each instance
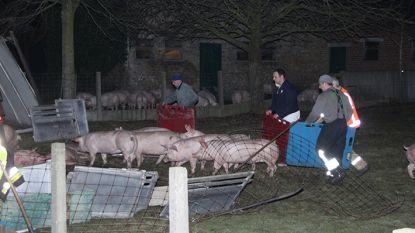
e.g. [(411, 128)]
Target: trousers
[(332, 139)]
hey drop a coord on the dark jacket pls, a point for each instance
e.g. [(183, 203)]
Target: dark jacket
[(284, 100)]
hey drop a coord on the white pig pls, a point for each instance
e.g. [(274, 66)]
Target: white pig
[(202, 102), (89, 99), (309, 94), (23, 158), (410, 155), (241, 151), (240, 96), (186, 150), (196, 148), (209, 96), (110, 101), (109, 142)]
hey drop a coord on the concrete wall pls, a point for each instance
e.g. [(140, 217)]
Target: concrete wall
[(381, 86)]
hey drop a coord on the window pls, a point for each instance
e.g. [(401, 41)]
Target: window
[(144, 49), (372, 50), (172, 49)]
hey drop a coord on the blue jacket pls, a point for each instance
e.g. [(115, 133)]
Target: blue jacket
[(184, 96), (284, 100)]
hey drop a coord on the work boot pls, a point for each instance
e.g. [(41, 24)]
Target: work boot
[(361, 165), (336, 177), (363, 170)]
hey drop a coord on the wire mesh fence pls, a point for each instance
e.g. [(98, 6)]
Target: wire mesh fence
[(110, 198)]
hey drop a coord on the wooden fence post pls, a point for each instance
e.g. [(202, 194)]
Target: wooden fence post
[(58, 178), (163, 85), (98, 87), (220, 90), (178, 200)]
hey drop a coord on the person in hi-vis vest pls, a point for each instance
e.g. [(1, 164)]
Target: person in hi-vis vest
[(7, 162), (354, 122)]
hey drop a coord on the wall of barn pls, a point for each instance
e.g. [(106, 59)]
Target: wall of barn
[(304, 62), (394, 53)]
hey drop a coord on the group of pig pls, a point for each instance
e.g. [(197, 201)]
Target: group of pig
[(122, 99), (223, 149), (137, 99), (178, 148)]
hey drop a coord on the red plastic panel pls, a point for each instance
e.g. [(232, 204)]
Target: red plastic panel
[(273, 127), (175, 117)]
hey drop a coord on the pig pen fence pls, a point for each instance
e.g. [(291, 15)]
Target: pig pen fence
[(108, 198)]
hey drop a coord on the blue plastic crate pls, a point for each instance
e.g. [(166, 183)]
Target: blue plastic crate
[(302, 143)]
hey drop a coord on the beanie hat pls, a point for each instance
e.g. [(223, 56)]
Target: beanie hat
[(176, 76), (325, 79)]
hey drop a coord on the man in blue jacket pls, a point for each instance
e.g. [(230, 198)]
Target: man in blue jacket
[(184, 94), (284, 99)]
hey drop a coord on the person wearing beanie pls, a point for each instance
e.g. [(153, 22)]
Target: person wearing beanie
[(183, 95), (284, 103), (332, 109)]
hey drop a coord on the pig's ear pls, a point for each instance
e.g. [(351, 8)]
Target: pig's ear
[(189, 129), (203, 142), (174, 147)]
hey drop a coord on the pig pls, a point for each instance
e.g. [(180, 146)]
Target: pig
[(122, 97), (73, 156), (202, 102), (23, 158), (137, 99), (209, 96), (157, 94), (186, 150), (12, 138), (410, 156), (109, 142), (190, 132), (240, 96), (309, 94), (141, 101), (89, 99), (150, 99), (231, 152), (153, 143), (151, 129), (195, 148), (110, 101)]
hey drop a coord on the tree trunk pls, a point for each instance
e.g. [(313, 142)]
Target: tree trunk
[(68, 54)]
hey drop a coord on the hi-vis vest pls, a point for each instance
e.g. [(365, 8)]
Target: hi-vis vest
[(15, 176), (354, 121)]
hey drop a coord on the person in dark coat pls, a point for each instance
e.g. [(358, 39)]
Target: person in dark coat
[(284, 99)]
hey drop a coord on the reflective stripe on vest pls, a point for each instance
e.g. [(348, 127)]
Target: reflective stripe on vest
[(354, 121)]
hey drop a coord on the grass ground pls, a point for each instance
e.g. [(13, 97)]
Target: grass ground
[(383, 132)]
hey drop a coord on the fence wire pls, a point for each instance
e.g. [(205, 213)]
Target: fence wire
[(110, 198)]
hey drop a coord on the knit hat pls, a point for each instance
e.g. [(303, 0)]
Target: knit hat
[(176, 76), (325, 79)]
